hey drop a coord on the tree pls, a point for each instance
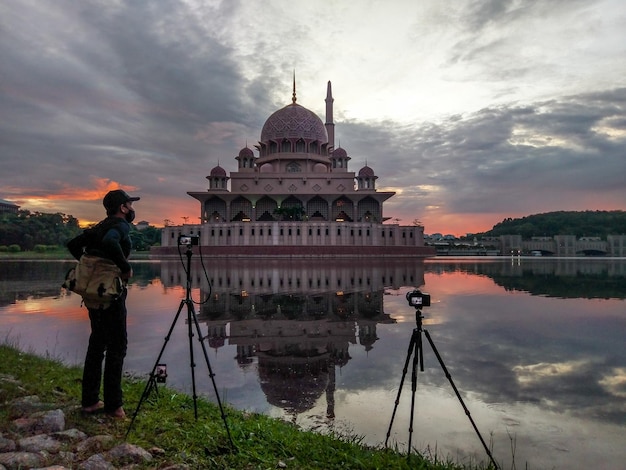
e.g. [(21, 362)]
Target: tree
[(28, 229), (290, 213), (584, 223)]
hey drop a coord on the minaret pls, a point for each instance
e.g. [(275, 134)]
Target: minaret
[(330, 125)]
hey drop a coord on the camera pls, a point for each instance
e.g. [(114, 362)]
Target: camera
[(189, 240), (418, 299), (161, 373)]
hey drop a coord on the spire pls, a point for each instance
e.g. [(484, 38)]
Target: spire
[(329, 103), (293, 96), (330, 126)]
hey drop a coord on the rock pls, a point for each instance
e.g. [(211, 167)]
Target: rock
[(71, 435), (19, 460), (96, 462), (94, 444), (7, 445), (25, 405), (37, 439), (38, 443), (157, 452), (128, 453), (50, 421), (24, 425)]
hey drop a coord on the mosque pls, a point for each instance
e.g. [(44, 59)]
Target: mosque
[(296, 197)]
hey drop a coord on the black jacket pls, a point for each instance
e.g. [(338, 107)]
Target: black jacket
[(108, 239)]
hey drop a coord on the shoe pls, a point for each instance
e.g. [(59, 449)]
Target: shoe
[(118, 413), (93, 409)]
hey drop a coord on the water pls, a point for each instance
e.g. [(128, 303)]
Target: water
[(535, 346)]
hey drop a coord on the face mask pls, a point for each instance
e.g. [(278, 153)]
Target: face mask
[(130, 216)]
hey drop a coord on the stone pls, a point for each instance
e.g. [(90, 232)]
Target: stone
[(70, 435), (94, 444), (19, 460), (50, 421), (128, 453), (38, 443), (25, 405), (7, 445), (37, 439), (96, 462)]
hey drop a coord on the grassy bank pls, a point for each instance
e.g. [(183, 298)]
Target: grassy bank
[(167, 421)]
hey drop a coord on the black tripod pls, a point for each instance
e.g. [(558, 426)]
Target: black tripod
[(416, 347), (191, 321)]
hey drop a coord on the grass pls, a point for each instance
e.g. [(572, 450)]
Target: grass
[(166, 420)]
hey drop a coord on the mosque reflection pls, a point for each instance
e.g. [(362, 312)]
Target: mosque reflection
[(295, 322)]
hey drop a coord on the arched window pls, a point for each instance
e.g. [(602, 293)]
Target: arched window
[(369, 210), (215, 210), (240, 209), (301, 146), (317, 209), (293, 167), (285, 146), (342, 209), (265, 208)]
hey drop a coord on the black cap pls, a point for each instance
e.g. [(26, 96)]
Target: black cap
[(116, 198)]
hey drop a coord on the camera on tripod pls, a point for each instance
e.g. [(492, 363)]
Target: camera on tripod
[(418, 299), (189, 240)]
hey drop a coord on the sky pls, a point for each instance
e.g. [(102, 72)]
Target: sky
[(473, 111)]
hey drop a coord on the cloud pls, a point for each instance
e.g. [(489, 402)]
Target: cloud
[(463, 111)]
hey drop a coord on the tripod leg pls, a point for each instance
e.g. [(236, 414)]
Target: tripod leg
[(211, 374), (458, 395), (412, 344), (152, 381), (192, 363), (418, 359)]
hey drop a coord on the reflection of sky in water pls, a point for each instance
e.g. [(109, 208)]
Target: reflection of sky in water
[(548, 372)]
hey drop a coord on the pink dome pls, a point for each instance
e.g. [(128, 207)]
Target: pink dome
[(246, 153), (218, 171), (292, 122), (339, 153), (366, 171)]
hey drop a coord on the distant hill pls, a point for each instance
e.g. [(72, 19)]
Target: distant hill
[(581, 224)]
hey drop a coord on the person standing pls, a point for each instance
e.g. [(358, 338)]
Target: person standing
[(108, 339)]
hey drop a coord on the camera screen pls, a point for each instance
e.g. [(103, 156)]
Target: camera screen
[(188, 240)]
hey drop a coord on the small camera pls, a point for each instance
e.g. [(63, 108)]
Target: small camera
[(161, 373), (418, 299), (189, 240)]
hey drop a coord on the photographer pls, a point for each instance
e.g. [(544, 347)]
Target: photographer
[(108, 239)]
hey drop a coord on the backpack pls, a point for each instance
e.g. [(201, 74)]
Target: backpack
[(96, 279)]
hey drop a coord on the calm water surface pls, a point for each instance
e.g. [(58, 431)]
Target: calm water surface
[(535, 346)]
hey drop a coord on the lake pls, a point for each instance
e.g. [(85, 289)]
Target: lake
[(535, 346)]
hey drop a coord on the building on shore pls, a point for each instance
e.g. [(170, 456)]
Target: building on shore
[(296, 197), (8, 207)]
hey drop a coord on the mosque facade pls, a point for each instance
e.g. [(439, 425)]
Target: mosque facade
[(296, 196)]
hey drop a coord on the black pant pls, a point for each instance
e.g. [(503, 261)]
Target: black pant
[(108, 335)]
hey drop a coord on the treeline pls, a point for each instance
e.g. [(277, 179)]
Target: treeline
[(38, 231), (549, 224)]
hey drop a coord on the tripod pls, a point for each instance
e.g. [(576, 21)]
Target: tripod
[(191, 321), (416, 348)]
